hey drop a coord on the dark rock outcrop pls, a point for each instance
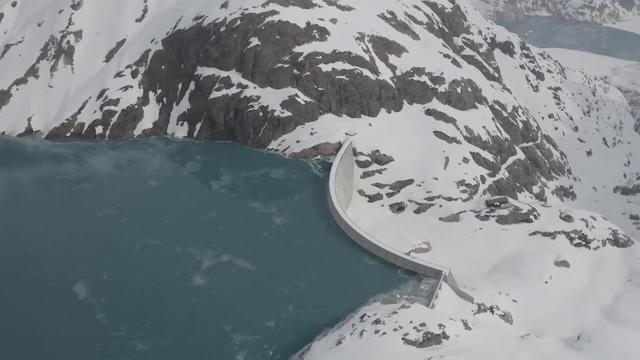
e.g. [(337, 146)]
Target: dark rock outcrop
[(562, 264), (398, 207), (325, 149), (579, 239)]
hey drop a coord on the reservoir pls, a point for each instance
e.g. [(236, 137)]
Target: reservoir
[(162, 249)]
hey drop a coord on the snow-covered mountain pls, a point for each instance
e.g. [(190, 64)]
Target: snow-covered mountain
[(598, 11), (622, 74), (445, 109)]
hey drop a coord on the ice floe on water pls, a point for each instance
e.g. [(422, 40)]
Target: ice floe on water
[(81, 289), (198, 280), (225, 179), (210, 259), (317, 167), (278, 216)]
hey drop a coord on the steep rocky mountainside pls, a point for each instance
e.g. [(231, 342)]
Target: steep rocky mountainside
[(599, 11), (248, 71), (253, 71)]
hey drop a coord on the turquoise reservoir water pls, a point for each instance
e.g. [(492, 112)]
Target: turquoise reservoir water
[(583, 36), (163, 249)]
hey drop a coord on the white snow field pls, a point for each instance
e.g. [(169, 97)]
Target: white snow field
[(622, 74), (632, 25), (445, 109)]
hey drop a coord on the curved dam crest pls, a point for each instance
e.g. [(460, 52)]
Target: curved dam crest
[(340, 195)]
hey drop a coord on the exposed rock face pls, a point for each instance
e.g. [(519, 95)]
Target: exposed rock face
[(394, 188), (509, 215), (428, 339), (633, 96), (379, 158), (422, 208), (627, 190), (452, 218), (566, 217), (322, 150), (517, 217), (562, 264), (222, 59), (495, 310), (579, 239), (112, 53), (369, 173), (371, 197), (398, 207)]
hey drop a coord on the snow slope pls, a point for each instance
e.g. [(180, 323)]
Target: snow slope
[(445, 110), (627, 25), (624, 75), (595, 64)]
